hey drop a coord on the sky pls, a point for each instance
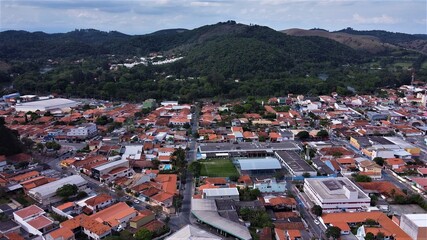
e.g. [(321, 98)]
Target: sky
[(146, 16)]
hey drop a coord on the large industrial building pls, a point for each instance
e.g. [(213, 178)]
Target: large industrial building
[(258, 165), (52, 105), (294, 163), (206, 211), (46, 194), (245, 149), (336, 194), (415, 225)]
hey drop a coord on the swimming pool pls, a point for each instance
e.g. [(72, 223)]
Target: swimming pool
[(167, 167)]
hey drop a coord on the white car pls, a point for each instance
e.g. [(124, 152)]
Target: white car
[(136, 201), (316, 221)]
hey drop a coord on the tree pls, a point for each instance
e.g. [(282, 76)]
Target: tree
[(143, 234), (67, 190), (333, 232), (306, 175), (234, 178), (279, 175), (317, 210), (362, 178), (53, 146), (380, 236), (322, 134), (195, 168), (303, 135), (369, 236), (379, 161)]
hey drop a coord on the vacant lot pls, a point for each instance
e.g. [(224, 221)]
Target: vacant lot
[(218, 168)]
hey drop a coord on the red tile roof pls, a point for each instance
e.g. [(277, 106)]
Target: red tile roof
[(101, 198), (40, 222), (61, 233), (29, 211)]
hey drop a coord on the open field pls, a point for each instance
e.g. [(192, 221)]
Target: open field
[(218, 168)]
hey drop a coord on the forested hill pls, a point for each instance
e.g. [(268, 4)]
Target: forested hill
[(416, 42), (225, 59), (89, 42)]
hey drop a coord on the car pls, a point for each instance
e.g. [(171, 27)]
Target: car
[(136, 201), (316, 221)]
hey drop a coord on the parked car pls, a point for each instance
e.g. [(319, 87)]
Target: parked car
[(316, 221)]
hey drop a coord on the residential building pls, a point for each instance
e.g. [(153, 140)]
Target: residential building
[(60, 234), (104, 171), (99, 202), (143, 217), (336, 194), (344, 220), (270, 185), (46, 194), (415, 225), (33, 220), (83, 131), (370, 168)]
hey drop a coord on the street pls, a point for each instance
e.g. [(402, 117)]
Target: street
[(184, 216)]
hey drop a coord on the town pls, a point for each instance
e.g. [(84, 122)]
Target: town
[(286, 168)]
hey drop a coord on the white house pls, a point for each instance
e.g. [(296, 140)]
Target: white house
[(32, 219), (84, 131)]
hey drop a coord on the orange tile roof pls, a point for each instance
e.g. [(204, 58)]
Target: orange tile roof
[(65, 205), (207, 186), (153, 225), (24, 176), (246, 179), (163, 196), (341, 220), (14, 236), (216, 180), (29, 211), (282, 215), (282, 201), (280, 233), (40, 222), (394, 161), (62, 233), (294, 234), (382, 187), (168, 182), (101, 198), (75, 222)]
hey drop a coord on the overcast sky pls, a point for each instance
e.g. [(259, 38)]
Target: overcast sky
[(146, 16)]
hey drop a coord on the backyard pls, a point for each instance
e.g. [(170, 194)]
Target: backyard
[(218, 168)]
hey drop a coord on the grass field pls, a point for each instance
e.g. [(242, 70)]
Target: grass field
[(218, 168)]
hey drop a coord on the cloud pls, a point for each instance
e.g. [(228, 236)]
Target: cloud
[(383, 19)]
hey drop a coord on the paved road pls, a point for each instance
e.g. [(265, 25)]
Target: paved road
[(184, 216), (304, 210)]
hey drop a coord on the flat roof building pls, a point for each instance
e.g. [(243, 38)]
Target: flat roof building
[(415, 225), (245, 149), (99, 171), (46, 194), (336, 194), (294, 163), (258, 165), (221, 193), (46, 105)]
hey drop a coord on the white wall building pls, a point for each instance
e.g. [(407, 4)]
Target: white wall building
[(415, 225), (84, 131), (46, 194), (270, 185), (336, 194), (221, 193), (32, 219), (55, 104)]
